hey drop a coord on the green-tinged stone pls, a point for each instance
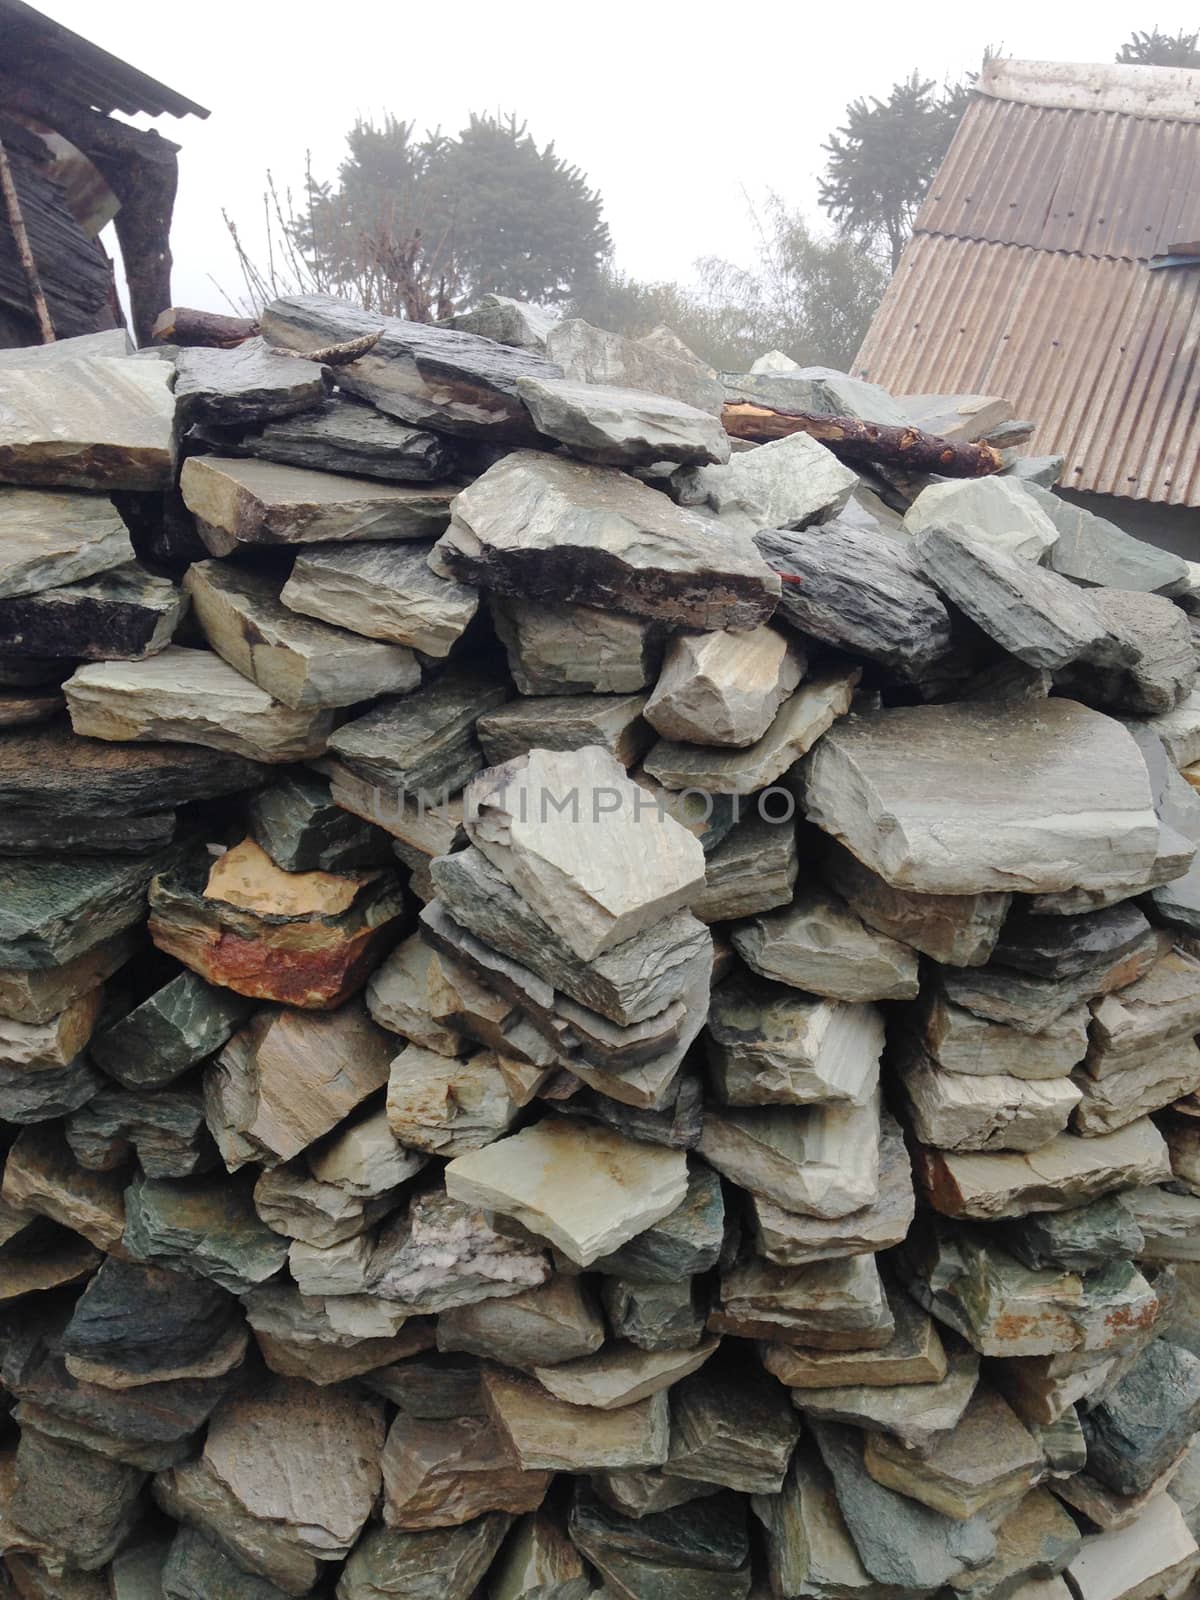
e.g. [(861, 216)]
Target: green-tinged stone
[(90, 423), (174, 1029), (81, 1505), (203, 1225), (899, 1541), (197, 1569), (1082, 1240), (301, 829), (423, 742), (655, 1316), (383, 591), (50, 539), (1138, 1428), (167, 1132), (441, 1564), (52, 911), (732, 1425)]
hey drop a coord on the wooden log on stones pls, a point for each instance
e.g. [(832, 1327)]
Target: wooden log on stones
[(209, 330), (855, 441)]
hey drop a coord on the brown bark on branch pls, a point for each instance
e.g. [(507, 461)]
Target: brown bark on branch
[(857, 442), (334, 355), (208, 329)]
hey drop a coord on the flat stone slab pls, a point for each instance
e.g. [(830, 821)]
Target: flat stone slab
[(788, 483), (790, 1239), (560, 649), (916, 1414), (1052, 796), (52, 911), (1144, 1558), (39, 995), (1065, 1172), (440, 378), (621, 1375), (262, 503), (342, 435), (960, 1041), (175, 1028), (818, 944), (832, 1304), (437, 1564), (247, 384), (754, 868), (913, 1356), (126, 612), (88, 424), (49, 538), (422, 743), (551, 1435), (586, 1190), (556, 1322), (961, 1111), (383, 591), (723, 688), (195, 697), (296, 661), (622, 427), (632, 981), (566, 722), (861, 590), (958, 929), (797, 726), (541, 528), (1094, 552), (583, 846), (1042, 619)]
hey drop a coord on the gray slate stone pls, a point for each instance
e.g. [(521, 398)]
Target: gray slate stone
[(899, 1540), (301, 829), (818, 944), (424, 741), (87, 424), (591, 355), (981, 798), (998, 512), (1031, 612), (622, 427), (126, 612), (49, 538), (385, 591), (541, 528), (508, 321), (341, 435), (174, 1029), (1139, 1427), (861, 591), (438, 378), (1157, 633), (1094, 552), (53, 910), (250, 383)]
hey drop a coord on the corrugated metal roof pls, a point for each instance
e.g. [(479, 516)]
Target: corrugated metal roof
[(1095, 182), (1104, 355), (1028, 276), (40, 50)]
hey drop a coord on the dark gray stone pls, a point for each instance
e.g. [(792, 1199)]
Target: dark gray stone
[(899, 1541), (125, 613), (34, 833), (423, 742), (167, 1131), (53, 771), (53, 910), (203, 1225), (861, 591), (1138, 1428), (1031, 612), (198, 1570), (1163, 668), (177, 1027), (655, 1316), (342, 435), (443, 1564), (732, 1424), (80, 1504), (1085, 1239), (145, 1320), (1092, 551), (439, 378), (250, 383), (1069, 947), (301, 829), (622, 427)]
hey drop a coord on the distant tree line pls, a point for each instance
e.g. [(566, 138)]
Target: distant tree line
[(422, 227)]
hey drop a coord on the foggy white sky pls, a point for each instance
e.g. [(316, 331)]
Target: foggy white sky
[(676, 112)]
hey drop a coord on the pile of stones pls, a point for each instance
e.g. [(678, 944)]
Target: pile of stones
[(586, 1009)]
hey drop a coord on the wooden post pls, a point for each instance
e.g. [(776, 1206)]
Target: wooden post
[(16, 221)]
